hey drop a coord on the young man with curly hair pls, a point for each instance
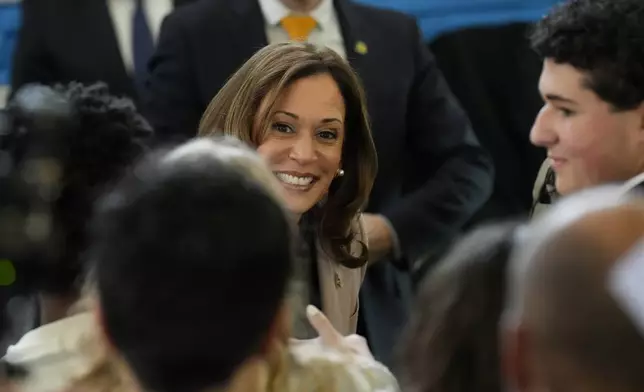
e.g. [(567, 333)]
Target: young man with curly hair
[(592, 123)]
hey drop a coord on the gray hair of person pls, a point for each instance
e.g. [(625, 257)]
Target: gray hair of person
[(533, 237), (232, 152), (246, 161)]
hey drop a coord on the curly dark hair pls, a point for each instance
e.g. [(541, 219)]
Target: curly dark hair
[(605, 39), (451, 343), (109, 135)]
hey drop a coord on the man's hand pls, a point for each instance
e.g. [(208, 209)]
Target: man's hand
[(379, 235)]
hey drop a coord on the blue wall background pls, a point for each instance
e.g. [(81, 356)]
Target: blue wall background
[(9, 23), (440, 16)]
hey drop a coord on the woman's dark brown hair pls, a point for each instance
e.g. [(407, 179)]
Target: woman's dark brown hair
[(451, 344), (235, 111)]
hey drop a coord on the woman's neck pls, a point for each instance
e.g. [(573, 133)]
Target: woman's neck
[(297, 217)]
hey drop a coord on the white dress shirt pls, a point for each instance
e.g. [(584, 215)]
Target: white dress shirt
[(122, 14), (326, 33), (633, 183)]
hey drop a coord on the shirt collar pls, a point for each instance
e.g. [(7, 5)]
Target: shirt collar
[(275, 10), (56, 338), (633, 183)]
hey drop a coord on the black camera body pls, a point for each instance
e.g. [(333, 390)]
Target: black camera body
[(34, 132)]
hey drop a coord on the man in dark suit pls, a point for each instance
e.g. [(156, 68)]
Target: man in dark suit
[(433, 174), (88, 41)]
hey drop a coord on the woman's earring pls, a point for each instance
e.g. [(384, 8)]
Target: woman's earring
[(339, 173)]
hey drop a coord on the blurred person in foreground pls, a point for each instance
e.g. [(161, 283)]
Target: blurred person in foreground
[(103, 136), (592, 82), (451, 344), (172, 285), (573, 320)]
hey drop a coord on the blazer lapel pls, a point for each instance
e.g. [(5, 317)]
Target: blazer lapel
[(354, 33), (339, 288), (100, 28), (330, 290)]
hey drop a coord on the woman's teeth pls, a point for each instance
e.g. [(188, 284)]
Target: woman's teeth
[(294, 180)]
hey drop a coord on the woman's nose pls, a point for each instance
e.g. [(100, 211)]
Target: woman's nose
[(303, 149)]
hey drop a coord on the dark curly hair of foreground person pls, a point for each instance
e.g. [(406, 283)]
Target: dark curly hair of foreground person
[(109, 136), (604, 38), (94, 136)]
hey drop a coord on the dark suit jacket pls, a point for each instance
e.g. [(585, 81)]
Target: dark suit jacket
[(70, 40), (433, 174), (493, 72)]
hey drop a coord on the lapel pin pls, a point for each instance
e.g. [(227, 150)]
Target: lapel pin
[(338, 281), (361, 47)]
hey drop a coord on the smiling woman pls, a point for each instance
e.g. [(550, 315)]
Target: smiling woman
[(304, 141), (303, 109)]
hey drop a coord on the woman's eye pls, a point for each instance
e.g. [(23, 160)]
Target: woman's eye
[(281, 127), (329, 135)]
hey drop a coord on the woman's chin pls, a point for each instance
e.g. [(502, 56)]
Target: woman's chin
[(299, 202), (299, 207)]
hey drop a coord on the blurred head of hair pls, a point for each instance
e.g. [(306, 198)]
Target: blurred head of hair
[(192, 255), (451, 342)]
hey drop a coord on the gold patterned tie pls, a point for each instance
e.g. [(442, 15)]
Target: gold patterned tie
[(298, 27)]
